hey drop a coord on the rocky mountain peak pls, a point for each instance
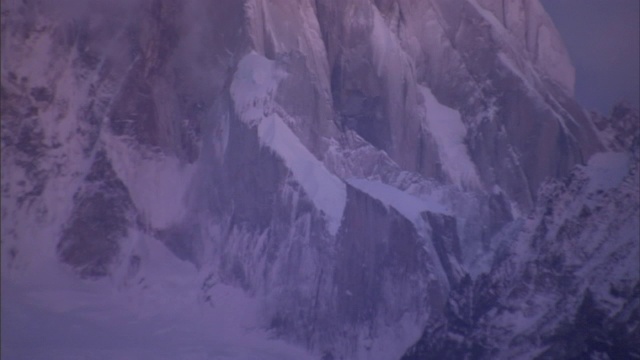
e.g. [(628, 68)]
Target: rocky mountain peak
[(532, 28), (356, 178), (621, 129)]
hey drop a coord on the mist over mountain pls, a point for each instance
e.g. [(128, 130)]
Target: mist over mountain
[(358, 179)]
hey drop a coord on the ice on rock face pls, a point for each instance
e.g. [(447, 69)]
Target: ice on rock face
[(252, 91), (253, 87), (409, 206), (449, 133)]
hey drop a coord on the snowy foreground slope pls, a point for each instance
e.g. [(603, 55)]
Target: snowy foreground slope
[(57, 319), (309, 179)]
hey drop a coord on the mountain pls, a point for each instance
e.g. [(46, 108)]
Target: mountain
[(564, 280), (346, 176)]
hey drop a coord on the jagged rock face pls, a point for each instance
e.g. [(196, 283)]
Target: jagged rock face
[(619, 130), (99, 222), (380, 61), (529, 23), (565, 283), (341, 162), (132, 127)]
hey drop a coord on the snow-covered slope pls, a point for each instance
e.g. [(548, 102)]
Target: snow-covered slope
[(324, 173)]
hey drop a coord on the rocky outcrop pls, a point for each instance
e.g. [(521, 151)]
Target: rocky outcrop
[(564, 283), (618, 131), (472, 64), (99, 222)]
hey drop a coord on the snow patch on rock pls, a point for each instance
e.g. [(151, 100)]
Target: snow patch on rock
[(252, 90), (606, 170), (406, 204), (157, 184), (449, 132)]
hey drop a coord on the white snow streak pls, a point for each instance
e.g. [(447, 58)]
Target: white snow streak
[(157, 184), (408, 205), (252, 90), (449, 132)]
